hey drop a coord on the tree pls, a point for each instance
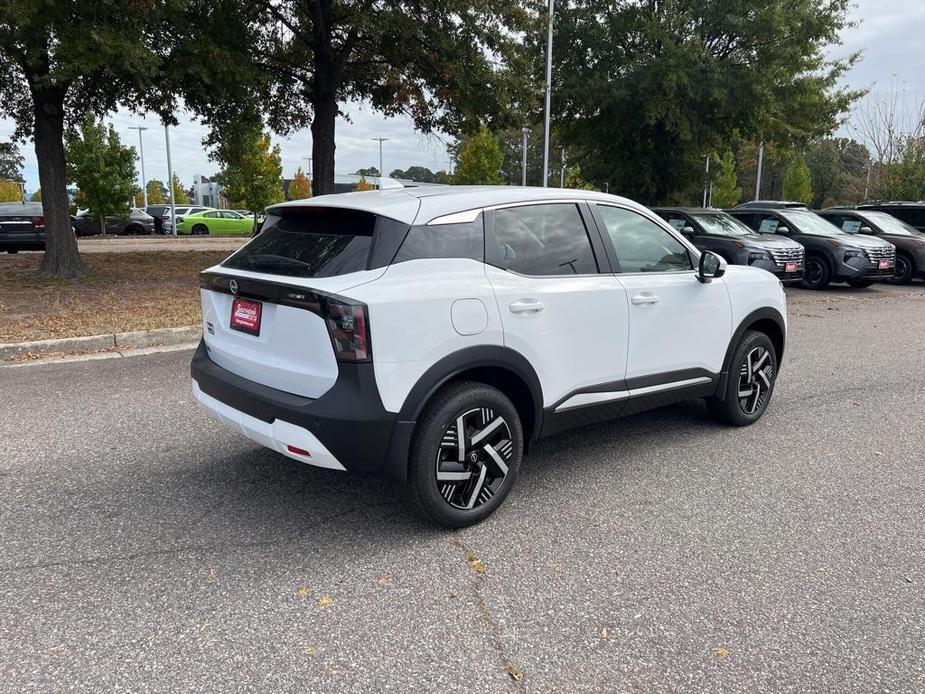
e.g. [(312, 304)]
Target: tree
[(726, 192), (10, 191), (178, 192), (905, 178), (102, 169), (157, 192), (419, 174), (443, 177), (369, 171), (59, 57), (838, 167), (479, 159), (574, 179), (363, 184), (37, 195), (446, 63), (252, 169), (11, 162), (798, 183), (642, 89), (301, 187)]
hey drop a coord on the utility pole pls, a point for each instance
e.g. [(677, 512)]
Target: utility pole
[(141, 152), (173, 206), (562, 170), (548, 95), (309, 166), (523, 174), (707, 182), (760, 164), (380, 140)]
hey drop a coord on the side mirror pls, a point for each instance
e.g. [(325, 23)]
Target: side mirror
[(687, 230), (782, 230), (866, 230), (710, 266)]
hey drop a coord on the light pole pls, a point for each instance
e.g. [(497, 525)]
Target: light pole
[(548, 96), (523, 175), (760, 164), (707, 182), (380, 140), (141, 153), (562, 170), (173, 207)]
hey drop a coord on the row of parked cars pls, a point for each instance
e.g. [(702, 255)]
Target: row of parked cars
[(857, 246), (22, 225)]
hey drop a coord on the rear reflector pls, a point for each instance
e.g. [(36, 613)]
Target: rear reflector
[(298, 451)]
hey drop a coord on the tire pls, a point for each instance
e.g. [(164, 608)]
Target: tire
[(752, 376), (134, 230), (905, 269), (817, 273), (200, 230), (860, 284), (468, 491)]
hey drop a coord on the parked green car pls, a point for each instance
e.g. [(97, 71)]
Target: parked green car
[(216, 223)]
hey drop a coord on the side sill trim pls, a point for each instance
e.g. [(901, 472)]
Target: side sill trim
[(585, 399)]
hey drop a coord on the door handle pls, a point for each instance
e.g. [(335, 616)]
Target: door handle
[(526, 306), (645, 298)]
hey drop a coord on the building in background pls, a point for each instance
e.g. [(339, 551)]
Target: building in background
[(207, 193)]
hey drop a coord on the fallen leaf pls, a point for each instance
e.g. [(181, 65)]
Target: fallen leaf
[(384, 581), (310, 650), (211, 573), (605, 633), (325, 601), (554, 565), (878, 452), (513, 671), (303, 592), (721, 652), (203, 627), (820, 569), (475, 563), (856, 403)]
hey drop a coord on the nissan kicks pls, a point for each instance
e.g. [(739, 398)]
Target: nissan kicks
[(734, 242), (831, 254), (433, 334)]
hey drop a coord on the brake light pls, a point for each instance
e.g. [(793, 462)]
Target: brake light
[(39, 222), (348, 325)]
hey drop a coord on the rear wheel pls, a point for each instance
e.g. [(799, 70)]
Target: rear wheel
[(134, 230), (817, 274), (860, 284), (752, 375), (200, 230), (465, 454)]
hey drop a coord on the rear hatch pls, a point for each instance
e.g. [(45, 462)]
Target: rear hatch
[(278, 311)]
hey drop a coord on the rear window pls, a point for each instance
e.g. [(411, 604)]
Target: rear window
[(318, 242)]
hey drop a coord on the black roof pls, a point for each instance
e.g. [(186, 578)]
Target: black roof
[(892, 203), (689, 210), (770, 204)]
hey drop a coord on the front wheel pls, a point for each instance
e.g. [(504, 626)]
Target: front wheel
[(465, 454), (817, 274), (752, 375)]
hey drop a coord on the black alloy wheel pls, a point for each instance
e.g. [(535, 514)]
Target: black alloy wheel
[(905, 269), (816, 274)]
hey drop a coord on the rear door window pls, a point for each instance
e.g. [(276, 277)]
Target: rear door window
[(543, 239), (316, 242)]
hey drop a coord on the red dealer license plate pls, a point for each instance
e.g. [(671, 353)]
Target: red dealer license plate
[(790, 267), (885, 264), (245, 316)]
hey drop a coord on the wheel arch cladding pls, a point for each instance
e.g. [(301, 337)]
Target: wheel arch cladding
[(499, 367), (765, 320)]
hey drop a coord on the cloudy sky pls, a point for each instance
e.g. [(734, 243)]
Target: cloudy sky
[(889, 33)]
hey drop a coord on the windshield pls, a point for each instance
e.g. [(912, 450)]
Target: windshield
[(889, 224), (806, 222), (721, 224)]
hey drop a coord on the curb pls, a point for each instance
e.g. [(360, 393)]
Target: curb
[(98, 343)]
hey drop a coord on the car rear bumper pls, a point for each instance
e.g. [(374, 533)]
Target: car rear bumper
[(22, 242), (347, 428)]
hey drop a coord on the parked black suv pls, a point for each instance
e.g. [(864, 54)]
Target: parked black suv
[(831, 254), (717, 231), (912, 213), (909, 242), (769, 204), (22, 227)]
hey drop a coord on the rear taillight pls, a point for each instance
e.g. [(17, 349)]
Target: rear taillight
[(39, 222), (348, 325)]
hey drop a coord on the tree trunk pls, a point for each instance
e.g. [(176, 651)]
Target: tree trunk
[(323, 144), (61, 259)]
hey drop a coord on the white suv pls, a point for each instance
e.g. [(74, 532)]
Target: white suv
[(432, 334)]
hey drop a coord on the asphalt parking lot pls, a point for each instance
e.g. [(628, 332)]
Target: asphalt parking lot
[(145, 548)]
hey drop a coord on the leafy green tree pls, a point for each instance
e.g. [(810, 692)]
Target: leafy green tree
[(157, 192), (838, 166), (903, 179), (446, 63), (102, 169), (11, 162), (642, 89), (726, 191), (419, 174), (479, 159), (251, 169), (574, 179), (59, 57), (798, 183), (37, 195), (180, 196), (368, 171), (10, 191), (301, 187), (443, 177)]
